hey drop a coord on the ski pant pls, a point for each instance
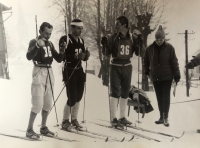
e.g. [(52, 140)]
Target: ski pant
[(41, 89), (120, 81), (75, 85), (162, 89)]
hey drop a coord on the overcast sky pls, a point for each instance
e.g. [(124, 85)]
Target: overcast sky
[(181, 15)]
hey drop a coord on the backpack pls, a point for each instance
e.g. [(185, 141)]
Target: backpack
[(143, 99)]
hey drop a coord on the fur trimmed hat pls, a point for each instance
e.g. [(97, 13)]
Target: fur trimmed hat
[(160, 33)]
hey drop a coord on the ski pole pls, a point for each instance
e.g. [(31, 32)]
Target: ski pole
[(85, 92), (67, 37), (64, 86), (62, 68), (139, 36), (36, 25), (106, 58), (139, 66), (53, 95)]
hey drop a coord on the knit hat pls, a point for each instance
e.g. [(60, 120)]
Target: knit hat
[(160, 33)]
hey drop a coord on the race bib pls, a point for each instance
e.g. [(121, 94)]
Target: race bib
[(47, 50), (124, 49), (77, 51)]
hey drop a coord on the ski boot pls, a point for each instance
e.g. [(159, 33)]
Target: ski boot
[(46, 132), (66, 125), (77, 126), (160, 121), (124, 121), (166, 122), (32, 135), (115, 123)]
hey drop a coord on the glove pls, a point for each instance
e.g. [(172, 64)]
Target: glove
[(104, 40), (40, 41), (62, 50), (190, 65), (63, 47), (136, 47), (87, 52), (140, 39), (177, 79), (81, 56)]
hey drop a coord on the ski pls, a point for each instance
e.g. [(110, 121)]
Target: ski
[(84, 134), (131, 138), (60, 138), (20, 137), (185, 101), (55, 137), (110, 138), (128, 132), (150, 131), (160, 133)]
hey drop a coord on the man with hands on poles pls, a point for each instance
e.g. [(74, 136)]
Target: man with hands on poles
[(191, 65), (73, 75), (121, 46), (42, 52)]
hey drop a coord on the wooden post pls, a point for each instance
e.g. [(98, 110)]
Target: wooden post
[(186, 60)]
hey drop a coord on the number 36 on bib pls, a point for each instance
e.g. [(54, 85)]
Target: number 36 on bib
[(124, 51)]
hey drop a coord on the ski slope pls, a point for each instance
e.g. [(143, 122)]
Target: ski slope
[(15, 105)]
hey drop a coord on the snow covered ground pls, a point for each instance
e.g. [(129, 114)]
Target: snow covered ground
[(15, 105)]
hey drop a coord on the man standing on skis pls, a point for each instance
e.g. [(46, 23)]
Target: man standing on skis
[(121, 46), (73, 75), (161, 65), (41, 51)]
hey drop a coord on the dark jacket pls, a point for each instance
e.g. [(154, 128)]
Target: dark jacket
[(160, 62), (38, 54), (113, 47), (196, 60), (73, 48)]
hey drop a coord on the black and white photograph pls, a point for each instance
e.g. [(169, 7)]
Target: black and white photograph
[(99, 73)]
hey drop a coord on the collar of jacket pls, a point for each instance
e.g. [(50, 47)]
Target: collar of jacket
[(41, 37), (127, 35), (163, 44)]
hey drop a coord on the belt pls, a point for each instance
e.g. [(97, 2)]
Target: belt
[(73, 68), (41, 65), (120, 64)]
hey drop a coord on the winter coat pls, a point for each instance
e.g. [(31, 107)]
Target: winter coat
[(160, 62), (196, 60), (114, 47), (43, 55)]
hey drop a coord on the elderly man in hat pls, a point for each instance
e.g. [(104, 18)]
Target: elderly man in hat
[(161, 65)]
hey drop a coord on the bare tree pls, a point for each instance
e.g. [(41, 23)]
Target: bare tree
[(69, 8), (144, 16), (99, 19), (148, 15)]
